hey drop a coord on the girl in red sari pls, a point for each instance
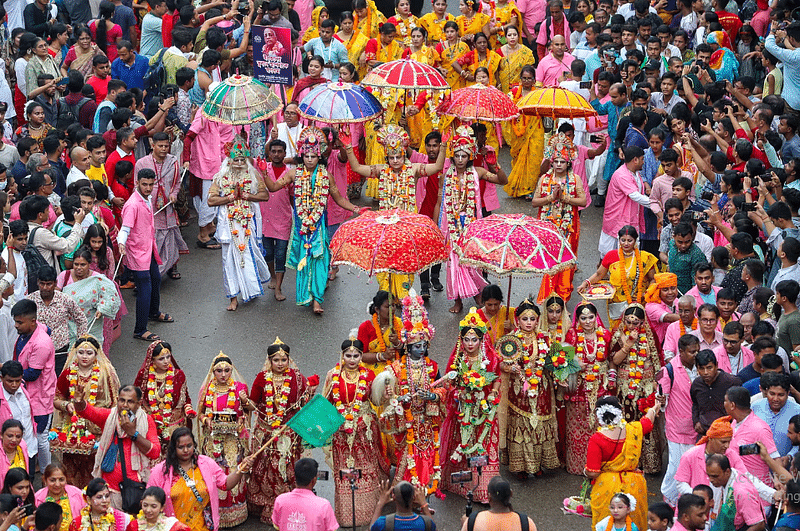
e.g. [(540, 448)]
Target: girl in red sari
[(278, 392), (472, 399), (348, 386), (315, 67), (166, 396), (591, 341)]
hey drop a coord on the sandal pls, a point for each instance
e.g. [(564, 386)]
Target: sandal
[(163, 318), (174, 275), (147, 336), (210, 244)]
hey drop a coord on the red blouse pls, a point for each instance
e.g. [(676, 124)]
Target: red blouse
[(602, 448)]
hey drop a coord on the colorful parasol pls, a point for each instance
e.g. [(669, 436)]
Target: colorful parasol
[(406, 74), (556, 102), (340, 102), (478, 103), (393, 241), (240, 100)]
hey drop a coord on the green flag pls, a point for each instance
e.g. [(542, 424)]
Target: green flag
[(316, 422)]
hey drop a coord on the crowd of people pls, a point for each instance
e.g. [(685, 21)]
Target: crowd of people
[(690, 367)]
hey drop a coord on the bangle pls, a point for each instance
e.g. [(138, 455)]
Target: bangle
[(422, 507), (160, 109)]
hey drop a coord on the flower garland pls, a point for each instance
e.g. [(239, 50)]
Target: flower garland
[(210, 401), (611, 526), (638, 355), (275, 415), (626, 288), (404, 28), (534, 374), (160, 525), (558, 212), (166, 409), (476, 409), (408, 387), (106, 521), (397, 190), (381, 347), (240, 212), (592, 358), (76, 431), (349, 412), (460, 198), (313, 197), (683, 327)]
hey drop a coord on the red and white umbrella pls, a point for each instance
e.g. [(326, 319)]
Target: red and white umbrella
[(406, 74), (478, 103)]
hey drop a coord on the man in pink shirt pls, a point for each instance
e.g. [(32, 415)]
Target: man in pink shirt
[(675, 380), (744, 508), (301, 509), (704, 290), (662, 185), (276, 216), (748, 428), (732, 357), (660, 307), (35, 351), (692, 515), (554, 64), (555, 24), (708, 334), (686, 323), (204, 150), (625, 199), (137, 241), (533, 12)]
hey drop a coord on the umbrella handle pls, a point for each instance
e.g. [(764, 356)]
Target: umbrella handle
[(508, 298)]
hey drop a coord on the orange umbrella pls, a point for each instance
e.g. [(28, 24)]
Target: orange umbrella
[(555, 102)]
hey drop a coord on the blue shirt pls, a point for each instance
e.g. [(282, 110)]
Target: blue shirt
[(151, 39), (753, 386), (593, 62), (403, 523), (791, 71), (778, 422), (334, 53), (124, 16), (132, 75), (791, 148)]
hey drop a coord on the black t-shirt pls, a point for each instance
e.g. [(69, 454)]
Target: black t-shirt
[(748, 373)]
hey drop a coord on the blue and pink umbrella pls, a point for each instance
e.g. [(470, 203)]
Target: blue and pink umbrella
[(338, 103)]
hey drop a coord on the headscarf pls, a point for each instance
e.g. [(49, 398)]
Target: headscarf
[(218, 360), (144, 370), (723, 62), (719, 429), (662, 280), (721, 38), (313, 30), (544, 326), (108, 381)]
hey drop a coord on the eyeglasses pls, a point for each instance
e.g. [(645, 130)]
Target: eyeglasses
[(708, 321), (730, 341)]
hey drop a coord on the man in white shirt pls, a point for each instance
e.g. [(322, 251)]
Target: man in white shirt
[(289, 131), (19, 232), (16, 404), (8, 155), (788, 252), (573, 83), (81, 161)]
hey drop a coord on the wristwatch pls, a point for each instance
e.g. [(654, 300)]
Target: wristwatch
[(134, 436)]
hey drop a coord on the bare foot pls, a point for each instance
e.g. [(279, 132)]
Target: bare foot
[(457, 306), (271, 284), (318, 308), (333, 272), (233, 305), (279, 296)]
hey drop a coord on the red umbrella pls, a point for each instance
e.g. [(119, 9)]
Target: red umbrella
[(479, 103), (393, 241), (406, 74)]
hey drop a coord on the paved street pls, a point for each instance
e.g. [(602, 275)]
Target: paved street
[(203, 328)]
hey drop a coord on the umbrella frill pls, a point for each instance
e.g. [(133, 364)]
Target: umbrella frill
[(240, 100), (515, 244), (340, 102), (479, 103), (406, 74), (556, 102)]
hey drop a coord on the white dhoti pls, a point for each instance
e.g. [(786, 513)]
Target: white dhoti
[(669, 487), (205, 213)]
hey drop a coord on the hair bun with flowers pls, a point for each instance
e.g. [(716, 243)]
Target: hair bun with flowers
[(415, 319), (312, 140), (393, 138), (474, 321), (464, 140), (560, 147), (237, 148)]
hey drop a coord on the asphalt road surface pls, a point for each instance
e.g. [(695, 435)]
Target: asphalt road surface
[(203, 328)]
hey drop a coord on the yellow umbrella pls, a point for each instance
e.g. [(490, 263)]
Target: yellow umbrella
[(555, 102)]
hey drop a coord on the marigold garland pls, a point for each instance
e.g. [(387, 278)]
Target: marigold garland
[(376, 325), (626, 289), (593, 359), (683, 327), (349, 411), (559, 212), (404, 28), (534, 374), (230, 404), (76, 431), (397, 189), (105, 524), (637, 357), (311, 203), (460, 198), (275, 414), (152, 398), (240, 212)]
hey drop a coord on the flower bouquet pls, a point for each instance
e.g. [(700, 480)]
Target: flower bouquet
[(580, 504), (73, 437), (560, 360)]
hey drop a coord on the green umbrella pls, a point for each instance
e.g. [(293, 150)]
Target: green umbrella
[(240, 100)]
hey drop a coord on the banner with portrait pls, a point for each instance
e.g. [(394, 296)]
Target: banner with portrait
[(272, 54)]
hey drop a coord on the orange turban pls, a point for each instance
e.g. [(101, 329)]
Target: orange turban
[(663, 280), (719, 429)]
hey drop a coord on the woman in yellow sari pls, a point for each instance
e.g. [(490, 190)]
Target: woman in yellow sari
[(382, 342), (404, 22), (434, 22), (481, 56), (525, 136), (367, 19), (471, 21), (504, 15), (613, 467), (515, 56), (629, 270), (319, 14), (354, 41), (418, 113), (448, 52)]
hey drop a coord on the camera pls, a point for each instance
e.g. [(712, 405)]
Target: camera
[(479, 461), (749, 207), (755, 181), (699, 216), (465, 476), (585, 84), (596, 139), (749, 449), (707, 195), (322, 475), (350, 474)]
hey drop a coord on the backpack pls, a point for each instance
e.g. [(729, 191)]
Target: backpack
[(156, 75), (68, 113), (425, 518), (33, 261)]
